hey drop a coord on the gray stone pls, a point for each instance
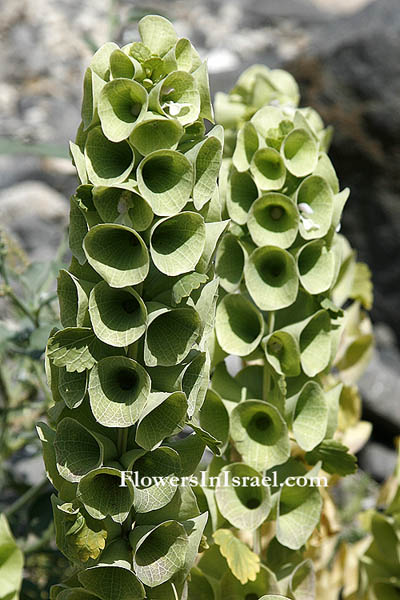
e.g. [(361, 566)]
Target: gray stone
[(377, 460), (36, 215)]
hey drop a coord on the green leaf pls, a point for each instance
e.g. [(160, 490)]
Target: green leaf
[(247, 144), (118, 316), (72, 387), (76, 349), (11, 562), (260, 434), (243, 563), (118, 391), (73, 299), (118, 254), (177, 243), (165, 180), (335, 458)]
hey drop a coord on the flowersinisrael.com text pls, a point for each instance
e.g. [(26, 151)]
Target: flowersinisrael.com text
[(224, 479)]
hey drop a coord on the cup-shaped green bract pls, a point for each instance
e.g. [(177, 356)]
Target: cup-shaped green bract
[(118, 391), (247, 144), (155, 472), (273, 220), (268, 169), (73, 299), (300, 152), (107, 162), (315, 203), (122, 103), (316, 265), (298, 512), (178, 327), (165, 180), (110, 581), (242, 192), (239, 325), (177, 96), (283, 352), (214, 418), (78, 450), (115, 203), (102, 495), (260, 434), (177, 243), (310, 417), (118, 315), (159, 552), (229, 262), (245, 503), (162, 416), (72, 387), (315, 344), (118, 254), (155, 132), (271, 277)]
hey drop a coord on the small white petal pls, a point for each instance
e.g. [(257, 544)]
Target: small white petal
[(338, 228), (174, 107), (168, 91), (305, 208), (308, 224)]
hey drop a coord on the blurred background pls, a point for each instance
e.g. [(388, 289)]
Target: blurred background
[(345, 55)]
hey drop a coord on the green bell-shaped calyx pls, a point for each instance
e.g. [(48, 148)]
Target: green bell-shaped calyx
[(273, 220), (118, 254), (118, 391), (260, 434), (177, 243), (123, 102), (165, 180), (271, 277), (102, 495), (159, 552), (118, 315), (245, 503), (107, 162), (239, 325)]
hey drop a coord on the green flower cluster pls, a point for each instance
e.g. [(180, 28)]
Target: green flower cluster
[(284, 273), (131, 367)]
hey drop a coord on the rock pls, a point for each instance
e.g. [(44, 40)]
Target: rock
[(351, 74), (36, 215), (377, 460)]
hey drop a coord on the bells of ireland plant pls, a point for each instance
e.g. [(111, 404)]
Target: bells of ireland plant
[(130, 368), (285, 273)]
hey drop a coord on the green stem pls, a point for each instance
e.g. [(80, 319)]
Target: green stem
[(123, 434), (26, 498), (21, 305), (42, 383), (257, 541), (271, 321)]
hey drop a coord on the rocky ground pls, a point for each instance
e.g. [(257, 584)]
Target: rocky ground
[(345, 55)]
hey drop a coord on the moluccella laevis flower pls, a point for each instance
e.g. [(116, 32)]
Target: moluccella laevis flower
[(130, 368), (285, 274)]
